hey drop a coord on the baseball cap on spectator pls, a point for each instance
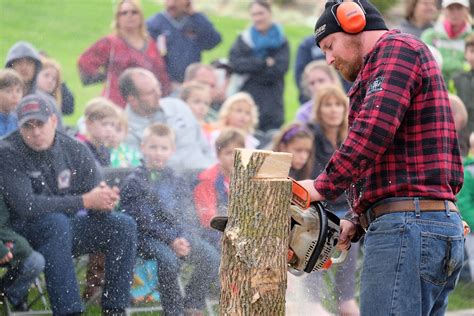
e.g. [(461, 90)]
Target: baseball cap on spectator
[(33, 107), (327, 23), (447, 3)]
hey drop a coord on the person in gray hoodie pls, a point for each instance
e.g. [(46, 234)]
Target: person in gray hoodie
[(25, 59)]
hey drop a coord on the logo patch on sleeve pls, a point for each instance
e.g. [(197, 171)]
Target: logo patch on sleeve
[(376, 85)]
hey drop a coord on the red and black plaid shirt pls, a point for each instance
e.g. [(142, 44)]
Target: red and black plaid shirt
[(402, 141)]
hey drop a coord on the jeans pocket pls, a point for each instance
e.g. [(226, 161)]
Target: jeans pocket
[(440, 256), (385, 225)]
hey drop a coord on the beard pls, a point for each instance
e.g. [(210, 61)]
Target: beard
[(350, 68)]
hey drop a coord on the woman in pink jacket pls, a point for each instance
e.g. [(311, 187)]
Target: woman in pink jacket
[(128, 46)]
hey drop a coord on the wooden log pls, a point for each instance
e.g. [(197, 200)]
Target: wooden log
[(254, 245)]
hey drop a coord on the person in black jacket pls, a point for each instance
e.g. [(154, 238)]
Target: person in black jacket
[(49, 177), (259, 58)]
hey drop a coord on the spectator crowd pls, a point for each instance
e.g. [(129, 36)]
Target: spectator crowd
[(170, 124)]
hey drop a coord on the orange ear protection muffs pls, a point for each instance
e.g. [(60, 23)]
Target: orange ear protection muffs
[(350, 16)]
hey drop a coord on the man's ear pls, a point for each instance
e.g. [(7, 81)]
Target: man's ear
[(54, 120)]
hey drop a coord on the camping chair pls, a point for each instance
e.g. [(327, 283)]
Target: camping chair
[(40, 296)]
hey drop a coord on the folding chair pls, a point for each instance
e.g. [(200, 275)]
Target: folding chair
[(40, 296)]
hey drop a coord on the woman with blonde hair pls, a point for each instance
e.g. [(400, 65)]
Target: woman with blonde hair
[(315, 74), (129, 45), (329, 123)]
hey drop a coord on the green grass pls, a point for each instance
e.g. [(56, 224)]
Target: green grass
[(65, 29), (462, 297)]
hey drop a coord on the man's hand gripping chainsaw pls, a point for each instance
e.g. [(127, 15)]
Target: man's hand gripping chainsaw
[(314, 233)]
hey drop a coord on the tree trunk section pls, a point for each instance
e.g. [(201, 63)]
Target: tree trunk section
[(255, 242)]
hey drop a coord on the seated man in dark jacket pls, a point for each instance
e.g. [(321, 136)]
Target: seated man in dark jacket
[(47, 178), (167, 224)]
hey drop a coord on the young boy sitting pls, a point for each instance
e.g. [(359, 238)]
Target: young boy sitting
[(211, 193), (11, 91), (101, 117), (122, 155), (168, 231), (23, 263)]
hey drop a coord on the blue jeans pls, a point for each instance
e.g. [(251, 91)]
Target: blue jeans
[(411, 263), (205, 261), (59, 237), (17, 281)]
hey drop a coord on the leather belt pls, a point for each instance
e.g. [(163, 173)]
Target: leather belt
[(404, 206)]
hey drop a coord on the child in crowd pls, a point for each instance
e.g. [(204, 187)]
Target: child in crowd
[(11, 91), (67, 97), (49, 79), (101, 117), (25, 59), (23, 263), (198, 97), (122, 155), (464, 86), (297, 139), (238, 111), (211, 192), (168, 230)]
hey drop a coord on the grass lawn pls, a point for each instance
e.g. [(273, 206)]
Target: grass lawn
[(64, 29)]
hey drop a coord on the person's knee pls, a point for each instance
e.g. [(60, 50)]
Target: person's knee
[(168, 262), (35, 263), (56, 229), (56, 222), (125, 225)]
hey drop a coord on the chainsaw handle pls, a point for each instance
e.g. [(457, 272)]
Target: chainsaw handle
[(342, 257), (300, 196)]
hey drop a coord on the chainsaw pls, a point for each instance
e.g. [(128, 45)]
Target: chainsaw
[(314, 234)]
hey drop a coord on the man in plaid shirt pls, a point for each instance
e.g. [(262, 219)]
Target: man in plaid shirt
[(400, 166)]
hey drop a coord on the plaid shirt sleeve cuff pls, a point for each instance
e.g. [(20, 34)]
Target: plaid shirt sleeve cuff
[(354, 219)]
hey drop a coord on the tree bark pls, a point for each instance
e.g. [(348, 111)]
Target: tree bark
[(254, 246)]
